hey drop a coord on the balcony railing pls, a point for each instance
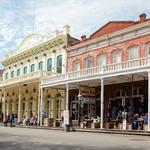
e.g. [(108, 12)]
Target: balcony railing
[(26, 77), (99, 70)]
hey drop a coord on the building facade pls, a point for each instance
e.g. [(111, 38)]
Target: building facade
[(108, 72), (36, 57)]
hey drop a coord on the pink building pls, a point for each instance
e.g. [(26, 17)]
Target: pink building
[(109, 73)]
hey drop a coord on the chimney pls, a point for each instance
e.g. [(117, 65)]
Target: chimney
[(142, 17), (83, 38)]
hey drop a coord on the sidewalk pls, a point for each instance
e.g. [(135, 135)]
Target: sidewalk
[(89, 130)]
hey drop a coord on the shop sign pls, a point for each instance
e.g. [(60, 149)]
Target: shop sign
[(86, 91)]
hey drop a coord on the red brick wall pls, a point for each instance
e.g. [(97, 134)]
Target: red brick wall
[(123, 46)]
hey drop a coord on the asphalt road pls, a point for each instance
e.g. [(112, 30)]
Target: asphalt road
[(39, 139)]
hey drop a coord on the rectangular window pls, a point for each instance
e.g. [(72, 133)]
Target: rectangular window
[(32, 67), (41, 65), (133, 53), (6, 76), (148, 49), (18, 72), (12, 74), (102, 60), (49, 64), (77, 66), (59, 64), (89, 62), (25, 70), (116, 56)]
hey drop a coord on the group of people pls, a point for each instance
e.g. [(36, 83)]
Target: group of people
[(137, 120), (10, 119), (29, 120)]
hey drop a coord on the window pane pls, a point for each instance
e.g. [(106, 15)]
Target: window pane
[(25, 70), (49, 64), (41, 65), (148, 49), (133, 53), (102, 60), (18, 72), (116, 57), (6, 76), (89, 63), (12, 74), (32, 67), (77, 66), (59, 64)]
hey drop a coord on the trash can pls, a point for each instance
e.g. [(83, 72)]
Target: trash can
[(67, 128)]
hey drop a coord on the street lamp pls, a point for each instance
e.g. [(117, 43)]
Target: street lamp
[(79, 103)]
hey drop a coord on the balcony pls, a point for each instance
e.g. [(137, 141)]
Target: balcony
[(131, 66), (33, 76)]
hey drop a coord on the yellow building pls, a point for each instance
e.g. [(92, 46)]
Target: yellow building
[(36, 57)]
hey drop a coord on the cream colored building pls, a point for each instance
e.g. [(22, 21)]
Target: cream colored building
[(36, 57)]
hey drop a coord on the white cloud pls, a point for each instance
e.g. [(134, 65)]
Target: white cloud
[(84, 16)]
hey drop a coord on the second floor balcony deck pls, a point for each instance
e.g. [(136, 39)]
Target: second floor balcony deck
[(29, 77), (109, 70)]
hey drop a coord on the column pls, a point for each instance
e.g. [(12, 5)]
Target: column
[(19, 105), (67, 96), (38, 119), (66, 112), (41, 106), (102, 104), (148, 101), (4, 109)]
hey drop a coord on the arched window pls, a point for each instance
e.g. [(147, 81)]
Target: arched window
[(6, 76), (18, 72), (133, 52), (41, 65), (102, 60), (116, 56), (32, 67), (12, 74), (49, 64), (89, 62), (25, 70), (59, 64), (76, 66)]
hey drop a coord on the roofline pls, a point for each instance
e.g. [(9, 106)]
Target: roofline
[(104, 37)]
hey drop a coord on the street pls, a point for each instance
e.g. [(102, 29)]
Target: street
[(40, 139)]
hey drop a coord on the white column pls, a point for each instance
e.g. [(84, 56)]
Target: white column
[(148, 101), (41, 105), (67, 96), (19, 105), (102, 103), (4, 116)]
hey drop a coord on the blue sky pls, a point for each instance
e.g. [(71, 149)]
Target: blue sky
[(84, 17)]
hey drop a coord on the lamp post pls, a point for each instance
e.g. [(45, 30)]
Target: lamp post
[(79, 103)]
